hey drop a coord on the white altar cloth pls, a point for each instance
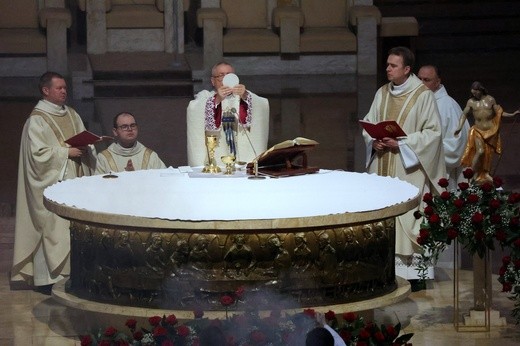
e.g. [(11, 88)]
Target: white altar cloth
[(172, 195)]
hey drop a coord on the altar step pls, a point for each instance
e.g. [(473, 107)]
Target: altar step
[(140, 74)]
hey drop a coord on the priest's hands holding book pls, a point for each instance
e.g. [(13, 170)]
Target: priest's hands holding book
[(385, 144), (75, 152)]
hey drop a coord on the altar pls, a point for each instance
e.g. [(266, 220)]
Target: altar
[(179, 240)]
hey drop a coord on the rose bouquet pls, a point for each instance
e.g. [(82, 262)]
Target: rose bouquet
[(247, 328), (478, 216)]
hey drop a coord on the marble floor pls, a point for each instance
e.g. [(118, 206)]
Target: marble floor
[(325, 108)]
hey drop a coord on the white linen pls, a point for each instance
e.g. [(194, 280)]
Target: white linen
[(170, 194)]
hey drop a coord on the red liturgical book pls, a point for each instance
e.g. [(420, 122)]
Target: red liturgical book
[(387, 128), (82, 139)]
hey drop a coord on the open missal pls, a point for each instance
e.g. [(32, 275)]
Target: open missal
[(387, 128), (82, 139), (286, 158)]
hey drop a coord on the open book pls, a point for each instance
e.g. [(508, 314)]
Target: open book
[(82, 139), (387, 128), (289, 143), (286, 158)]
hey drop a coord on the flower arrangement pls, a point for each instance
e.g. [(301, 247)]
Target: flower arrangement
[(477, 216), (247, 329)]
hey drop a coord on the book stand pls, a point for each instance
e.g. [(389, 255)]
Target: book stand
[(284, 162)]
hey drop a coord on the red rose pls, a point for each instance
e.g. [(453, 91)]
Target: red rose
[(487, 187), (110, 332), (472, 198), (198, 313), (506, 260), (167, 343), (427, 198), (515, 221), (159, 331), (494, 203), (458, 203), (239, 292), (226, 300), (257, 337), (364, 334), (345, 335), (183, 331), (309, 312), (507, 287), (452, 233), (105, 343), (428, 210), (349, 317), (154, 320), (477, 218), (138, 335), (171, 320), (196, 342), (445, 195), (517, 264), (497, 181), (390, 330), (86, 340), (423, 232), (131, 323), (468, 173), (513, 198), (422, 240), (463, 186), (379, 336), (479, 235), (417, 214), (434, 218), (517, 243), (500, 235), (443, 182), (361, 343), (330, 315), (502, 271), (455, 218)]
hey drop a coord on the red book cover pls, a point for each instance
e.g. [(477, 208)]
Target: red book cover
[(387, 128), (82, 139)]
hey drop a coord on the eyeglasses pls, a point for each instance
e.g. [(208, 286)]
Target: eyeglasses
[(127, 127)]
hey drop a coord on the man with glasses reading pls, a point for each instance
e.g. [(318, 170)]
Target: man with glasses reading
[(210, 114), (126, 153)]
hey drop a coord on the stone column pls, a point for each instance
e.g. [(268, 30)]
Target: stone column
[(57, 46), (367, 46), (96, 27), (169, 25)]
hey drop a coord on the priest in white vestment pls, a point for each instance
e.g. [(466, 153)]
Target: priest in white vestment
[(42, 239), (417, 158), (126, 153), (238, 117), (450, 113)]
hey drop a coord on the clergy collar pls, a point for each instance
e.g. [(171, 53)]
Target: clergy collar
[(52, 108), (397, 90)]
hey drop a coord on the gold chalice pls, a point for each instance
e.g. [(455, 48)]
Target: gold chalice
[(211, 144), (229, 161)]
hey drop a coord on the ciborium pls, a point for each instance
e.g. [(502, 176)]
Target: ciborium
[(211, 144), (229, 161)]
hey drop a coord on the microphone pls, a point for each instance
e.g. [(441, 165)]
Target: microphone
[(255, 160)]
